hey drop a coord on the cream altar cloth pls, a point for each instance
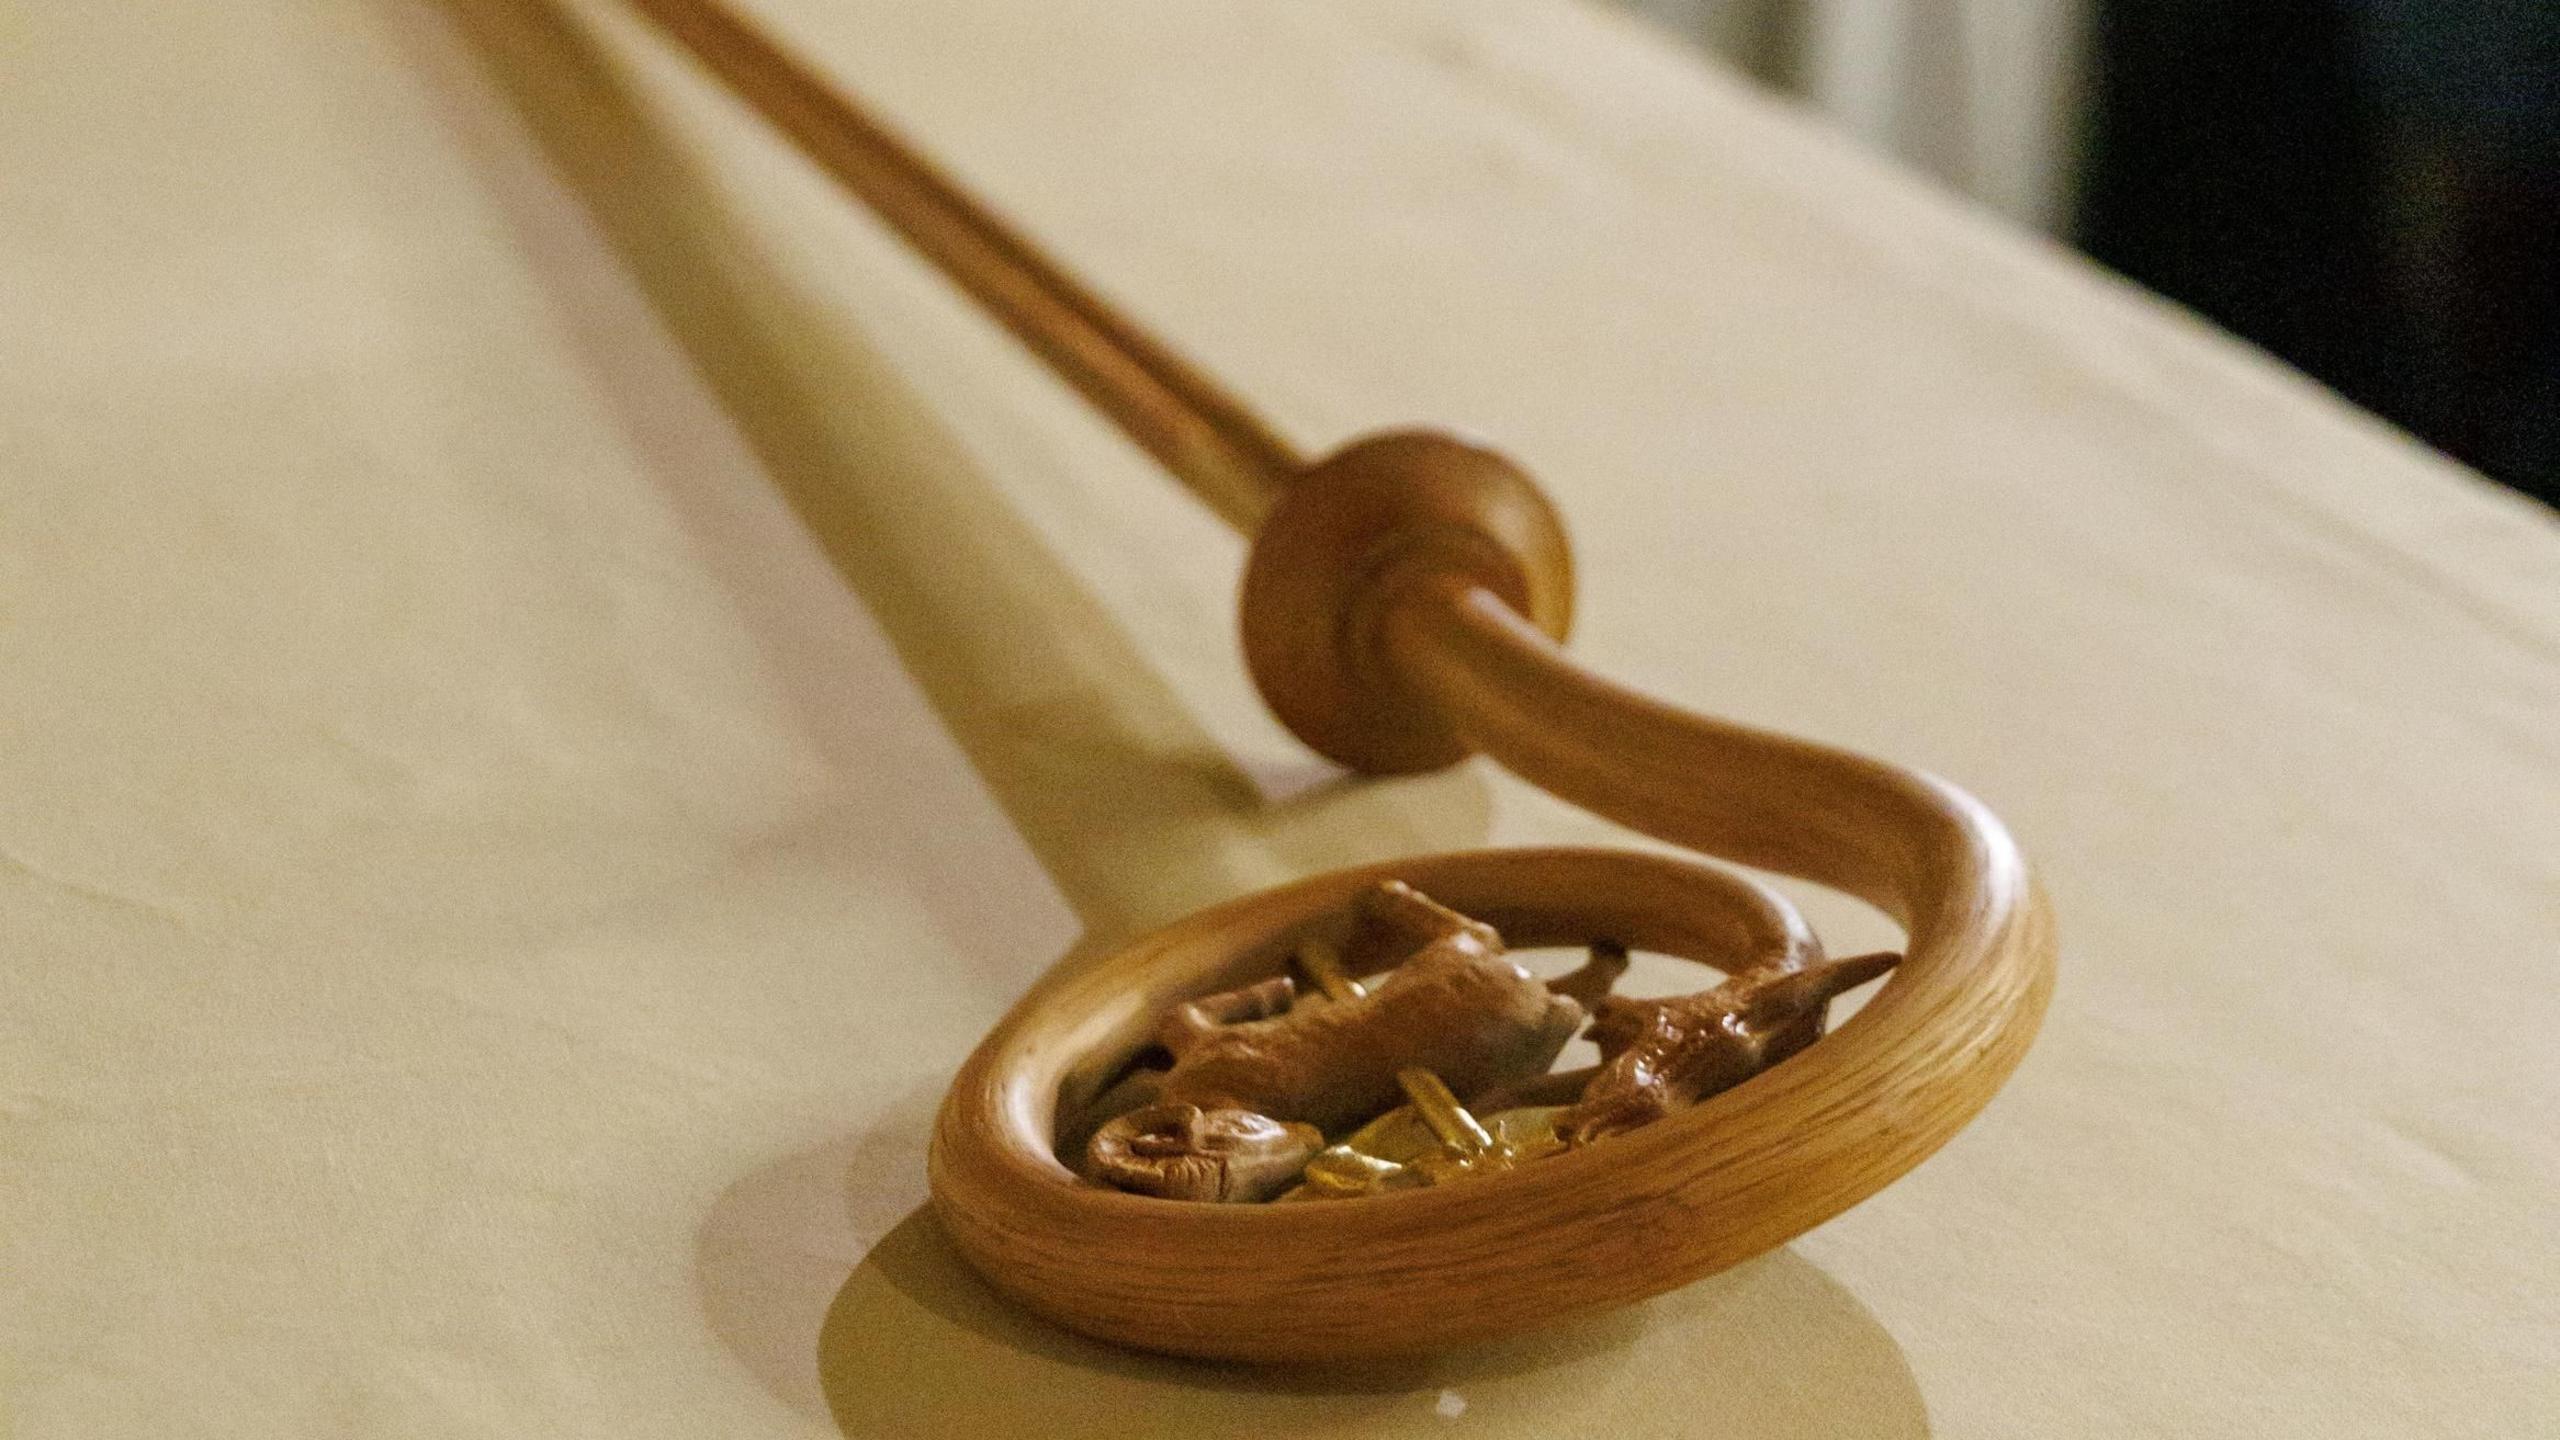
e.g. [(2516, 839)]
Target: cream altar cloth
[(553, 680)]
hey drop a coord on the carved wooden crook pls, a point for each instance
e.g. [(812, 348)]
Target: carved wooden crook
[(1402, 609)]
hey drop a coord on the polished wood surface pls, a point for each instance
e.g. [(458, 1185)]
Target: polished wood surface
[(1400, 611)]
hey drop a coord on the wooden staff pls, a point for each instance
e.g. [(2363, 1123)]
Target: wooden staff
[(1402, 609)]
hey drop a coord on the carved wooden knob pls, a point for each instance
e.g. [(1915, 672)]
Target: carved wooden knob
[(1351, 534)]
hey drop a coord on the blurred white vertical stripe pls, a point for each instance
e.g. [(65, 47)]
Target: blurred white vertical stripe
[(1984, 94)]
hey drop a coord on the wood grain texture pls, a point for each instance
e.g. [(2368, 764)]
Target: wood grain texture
[(1401, 610)]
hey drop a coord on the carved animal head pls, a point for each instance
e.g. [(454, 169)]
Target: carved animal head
[(1666, 1055), (1186, 1152)]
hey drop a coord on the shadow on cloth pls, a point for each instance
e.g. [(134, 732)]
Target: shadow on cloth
[(799, 315), (916, 1345)]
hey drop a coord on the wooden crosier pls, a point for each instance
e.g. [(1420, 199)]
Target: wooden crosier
[(1402, 609)]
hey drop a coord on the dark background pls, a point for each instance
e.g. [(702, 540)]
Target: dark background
[(2368, 188)]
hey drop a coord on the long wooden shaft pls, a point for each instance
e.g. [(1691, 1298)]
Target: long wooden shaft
[(1210, 441)]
